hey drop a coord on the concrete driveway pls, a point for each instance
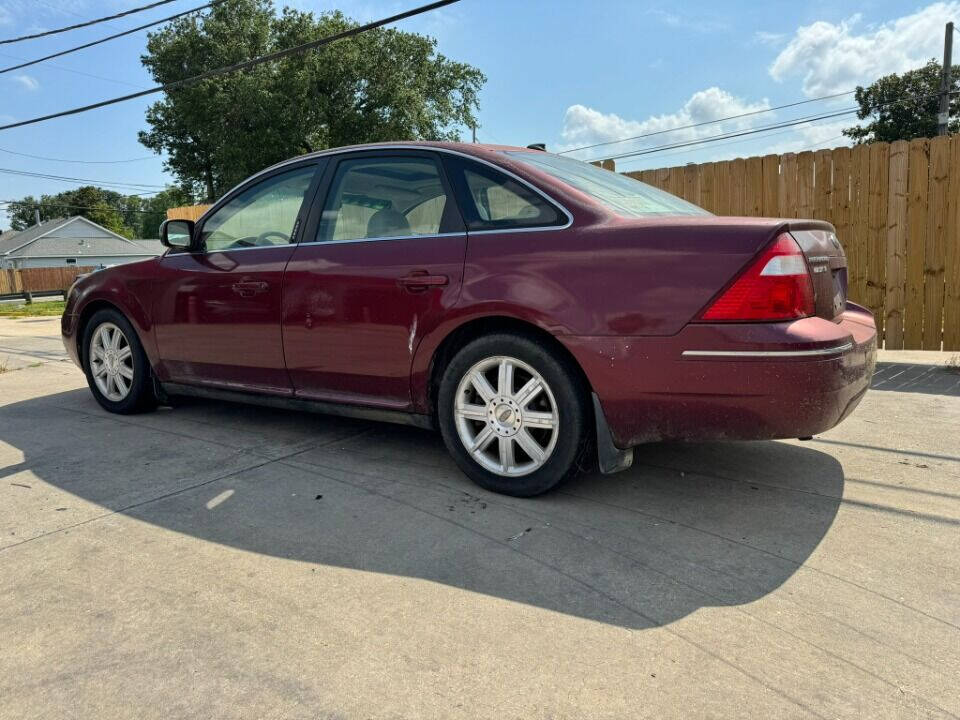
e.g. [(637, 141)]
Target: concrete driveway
[(221, 561)]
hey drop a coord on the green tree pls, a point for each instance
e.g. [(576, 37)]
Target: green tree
[(153, 210), (91, 202), (384, 84), (131, 216), (903, 107)]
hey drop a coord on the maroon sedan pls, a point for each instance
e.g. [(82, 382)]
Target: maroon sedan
[(542, 312)]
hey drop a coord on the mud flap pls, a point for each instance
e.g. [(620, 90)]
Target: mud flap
[(610, 458)]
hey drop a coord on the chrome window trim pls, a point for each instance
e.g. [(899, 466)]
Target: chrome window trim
[(423, 148), (226, 250), (768, 353), (378, 239)]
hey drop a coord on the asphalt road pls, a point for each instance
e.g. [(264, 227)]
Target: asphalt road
[(221, 561)]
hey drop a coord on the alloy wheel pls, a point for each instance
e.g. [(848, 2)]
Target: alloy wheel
[(111, 362), (506, 416)]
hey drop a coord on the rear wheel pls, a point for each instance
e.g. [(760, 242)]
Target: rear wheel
[(115, 364), (512, 414)]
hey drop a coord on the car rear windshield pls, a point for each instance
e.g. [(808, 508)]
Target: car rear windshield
[(622, 194)]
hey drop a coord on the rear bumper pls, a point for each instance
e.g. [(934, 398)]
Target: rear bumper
[(734, 382)]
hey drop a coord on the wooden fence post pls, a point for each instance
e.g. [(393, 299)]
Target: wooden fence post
[(753, 200), (951, 266), (876, 230), (934, 253), (896, 241), (823, 185), (916, 229)]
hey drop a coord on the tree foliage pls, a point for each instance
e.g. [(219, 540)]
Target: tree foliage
[(903, 107), (383, 84), (131, 216)]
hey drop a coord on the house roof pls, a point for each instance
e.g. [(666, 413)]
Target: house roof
[(152, 245), (101, 242), (13, 239)]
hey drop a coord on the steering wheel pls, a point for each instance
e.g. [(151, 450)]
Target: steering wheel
[(262, 238)]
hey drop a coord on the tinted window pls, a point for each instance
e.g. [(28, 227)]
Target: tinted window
[(262, 215), (622, 194), (383, 198), (492, 200)]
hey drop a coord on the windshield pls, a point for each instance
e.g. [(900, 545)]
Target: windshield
[(622, 194)]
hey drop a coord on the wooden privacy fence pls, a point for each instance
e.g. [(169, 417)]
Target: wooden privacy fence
[(39, 280), (896, 207), (187, 212)]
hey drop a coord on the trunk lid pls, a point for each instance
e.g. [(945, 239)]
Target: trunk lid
[(828, 265)]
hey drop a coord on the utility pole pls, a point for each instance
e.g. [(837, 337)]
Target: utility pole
[(946, 75), (474, 128)]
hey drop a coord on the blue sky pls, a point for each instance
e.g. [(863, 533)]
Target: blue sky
[(565, 73)]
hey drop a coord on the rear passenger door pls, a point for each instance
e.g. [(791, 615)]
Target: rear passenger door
[(379, 265)]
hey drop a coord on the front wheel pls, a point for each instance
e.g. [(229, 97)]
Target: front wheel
[(513, 415), (115, 364)]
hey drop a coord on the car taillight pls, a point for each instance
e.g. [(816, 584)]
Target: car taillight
[(776, 286)]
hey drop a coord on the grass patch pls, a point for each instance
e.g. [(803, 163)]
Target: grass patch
[(5, 366), (37, 309)]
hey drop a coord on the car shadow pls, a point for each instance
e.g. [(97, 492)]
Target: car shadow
[(688, 527), (916, 378)]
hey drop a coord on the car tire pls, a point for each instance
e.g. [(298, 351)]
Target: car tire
[(117, 369), (505, 434)]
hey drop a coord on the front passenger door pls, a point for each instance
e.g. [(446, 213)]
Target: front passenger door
[(217, 311)]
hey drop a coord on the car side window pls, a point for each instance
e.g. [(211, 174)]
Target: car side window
[(384, 197), (260, 216), (492, 200)]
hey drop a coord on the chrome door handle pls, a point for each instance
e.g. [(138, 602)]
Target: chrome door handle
[(250, 288), (420, 281)]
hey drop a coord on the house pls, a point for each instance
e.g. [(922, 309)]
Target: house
[(71, 241)]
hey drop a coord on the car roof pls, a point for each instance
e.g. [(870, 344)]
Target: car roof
[(476, 149)]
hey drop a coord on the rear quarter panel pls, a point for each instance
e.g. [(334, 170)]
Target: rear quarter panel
[(603, 276), (614, 277)]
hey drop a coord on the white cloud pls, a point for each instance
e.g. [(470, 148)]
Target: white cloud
[(5, 17), (769, 38), (28, 81), (585, 126), (833, 58), (698, 22)]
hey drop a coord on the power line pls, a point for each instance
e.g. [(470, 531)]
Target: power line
[(86, 24), (743, 140), (238, 66), (82, 162), (28, 63), (76, 72), (724, 144), (65, 178), (726, 135), (776, 126), (54, 205), (710, 122)]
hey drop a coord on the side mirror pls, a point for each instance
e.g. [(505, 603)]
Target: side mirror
[(177, 234)]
